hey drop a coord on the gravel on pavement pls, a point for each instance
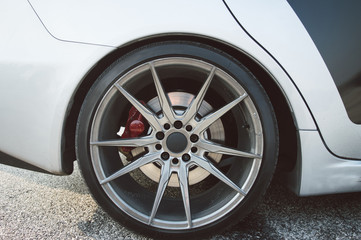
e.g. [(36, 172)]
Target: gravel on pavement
[(42, 206)]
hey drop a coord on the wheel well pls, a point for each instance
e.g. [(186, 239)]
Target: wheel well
[(287, 129)]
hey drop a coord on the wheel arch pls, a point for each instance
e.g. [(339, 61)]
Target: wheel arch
[(285, 118)]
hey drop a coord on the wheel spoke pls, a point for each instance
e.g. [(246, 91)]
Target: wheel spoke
[(211, 118), (208, 166), (162, 96), (147, 114), (183, 182), (192, 110), (216, 148), (163, 182), (126, 142), (148, 158)]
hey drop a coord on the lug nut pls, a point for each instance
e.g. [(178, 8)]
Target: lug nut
[(159, 135), (186, 157), (178, 124), (158, 146), (175, 161), (165, 156), (189, 128), (194, 138), (166, 126), (194, 149)]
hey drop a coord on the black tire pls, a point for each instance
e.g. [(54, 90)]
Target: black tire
[(217, 160)]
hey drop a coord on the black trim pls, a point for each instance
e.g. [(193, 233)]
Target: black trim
[(334, 27)]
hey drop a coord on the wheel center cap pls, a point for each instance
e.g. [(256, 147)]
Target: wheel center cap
[(177, 142)]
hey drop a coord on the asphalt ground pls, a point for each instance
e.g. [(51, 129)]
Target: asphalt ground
[(41, 206)]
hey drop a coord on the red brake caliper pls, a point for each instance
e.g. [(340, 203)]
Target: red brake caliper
[(135, 126)]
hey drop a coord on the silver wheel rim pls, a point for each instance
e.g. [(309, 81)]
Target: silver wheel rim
[(232, 175)]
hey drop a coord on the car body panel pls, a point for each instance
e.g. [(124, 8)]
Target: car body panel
[(38, 77), (277, 28), (305, 65), (319, 172), (67, 26)]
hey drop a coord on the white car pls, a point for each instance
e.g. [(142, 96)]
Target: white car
[(179, 112)]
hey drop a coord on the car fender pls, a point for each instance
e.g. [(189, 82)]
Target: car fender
[(38, 77), (122, 24)]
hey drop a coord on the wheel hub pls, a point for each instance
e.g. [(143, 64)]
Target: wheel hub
[(176, 142), (180, 101)]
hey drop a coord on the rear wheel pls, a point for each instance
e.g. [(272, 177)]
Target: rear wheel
[(177, 138)]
